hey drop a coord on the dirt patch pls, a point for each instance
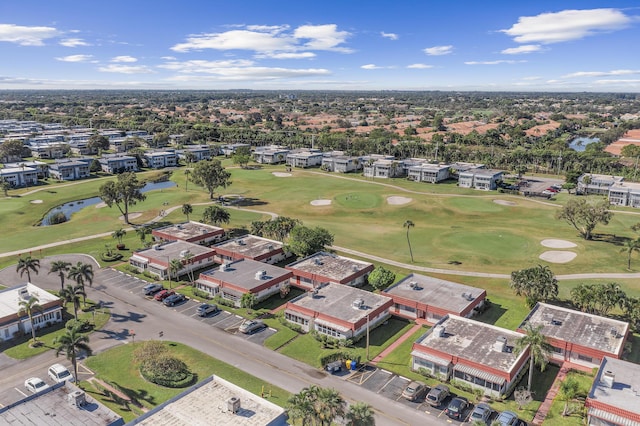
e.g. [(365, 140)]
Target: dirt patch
[(101, 204), (132, 216), (398, 201), (553, 243), (321, 202), (36, 201), (505, 203), (558, 256), (280, 174)]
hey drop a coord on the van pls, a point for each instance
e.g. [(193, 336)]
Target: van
[(59, 373)]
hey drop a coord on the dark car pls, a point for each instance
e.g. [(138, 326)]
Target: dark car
[(163, 294), (481, 413), (150, 289), (437, 395), (457, 407), (174, 299), (415, 391), (507, 418), (206, 309)]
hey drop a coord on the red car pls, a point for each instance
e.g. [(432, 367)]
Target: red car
[(163, 294)]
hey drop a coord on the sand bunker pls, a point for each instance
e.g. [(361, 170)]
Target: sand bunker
[(505, 202), (552, 243), (321, 202), (101, 205), (280, 174), (36, 201), (558, 256), (398, 201), (131, 216)]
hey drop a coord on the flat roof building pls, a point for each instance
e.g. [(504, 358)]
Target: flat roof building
[(578, 337), (322, 267), (338, 311), (421, 297), (191, 232), (614, 398), (250, 247), (478, 354), (156, 259)]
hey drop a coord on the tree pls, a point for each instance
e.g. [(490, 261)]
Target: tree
[(409, 224), (211, 175), (73, 294), (142, 232), (381, 278), (598, 299), (72, 343), (360, 414), (187, 209), (29, 307), (569, 186), (186, 179), (248, 300), (61, 267), (175, 266), (585, 216), (629, 246), (5, 186), (305, 241), (329, 405), (242, 156), (216, 215), (568, 390), (81, 273), (119, 234), (300, 407), (124, 193), (316, 405), (536, 284), (539, 348), (27, 265), (98, 142)]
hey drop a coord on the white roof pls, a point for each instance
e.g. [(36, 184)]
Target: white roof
[(10, 298)]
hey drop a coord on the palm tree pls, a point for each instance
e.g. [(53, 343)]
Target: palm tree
[(61, 267), (360, 414), (187, 209), (409, 224), (119, 235), (5, 186), (215, 215), (187, 172), (142, 232), (28, 264), (568, 390), (29, 307), (248, 300), (73, 294), (300, 407), (72, 343), (539, 348), (175, 265), (329, 405), (629, 247), (81, 273)]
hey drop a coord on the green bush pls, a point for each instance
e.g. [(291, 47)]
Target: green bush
[(224, 302), (201, 294), (167, 371), (339, 356), (57, 218), (82, 325)]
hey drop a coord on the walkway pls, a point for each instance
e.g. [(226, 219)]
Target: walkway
[(395, 344), (544, 408)]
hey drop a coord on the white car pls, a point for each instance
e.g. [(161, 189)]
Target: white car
[(249, 326), (59, 373), (35, 385)]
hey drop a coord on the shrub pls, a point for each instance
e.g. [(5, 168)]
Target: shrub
[(201, 294), (167, 371), (82, 325), (224, 302), (57, 218), (339, 356)]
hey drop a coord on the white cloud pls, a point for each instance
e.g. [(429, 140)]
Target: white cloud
[(371, 67), (601, 73), (168, 58), (201, 66), (73, 42), (126, 69), (566, 25), (493, 62), (249, 74), (124, 58), (26, 36), (525, 48), (615, 82), (270, 40), (75, 58), (419, 66), (438, 50), (287, 55), (390, 36)]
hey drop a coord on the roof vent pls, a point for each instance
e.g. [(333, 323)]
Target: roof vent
[(156, 246), (260, 275), (223, 267), (270, 247), (357, 304), (77, 398), (439, 330), (23, 293), (317, 261), (178, 226), (185, 253), (233, 404), (555, 321), (314, 293), (355, 268), (500, 344), (614, 332), (241, 242), (608, 379)]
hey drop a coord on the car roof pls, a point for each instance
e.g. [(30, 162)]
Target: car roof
[(58, 367)]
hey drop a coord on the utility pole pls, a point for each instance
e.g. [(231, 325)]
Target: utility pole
[(367, 337)]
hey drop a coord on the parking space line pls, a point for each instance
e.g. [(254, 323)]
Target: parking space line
[(21, 393)]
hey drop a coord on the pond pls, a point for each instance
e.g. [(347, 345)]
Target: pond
[(580, 144), (75, 206)]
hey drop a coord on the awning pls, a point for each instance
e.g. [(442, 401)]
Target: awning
[(156, 266), (232, 292), (207, 283), (432, 358), (612, 418), (139, 259), (490, 377), (332, 325)]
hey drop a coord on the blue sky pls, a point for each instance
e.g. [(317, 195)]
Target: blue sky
[(302, 45)]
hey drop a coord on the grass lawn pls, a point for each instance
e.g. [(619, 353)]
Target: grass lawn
[(576, 416), (115, 367)]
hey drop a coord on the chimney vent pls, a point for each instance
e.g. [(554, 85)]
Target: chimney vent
[(608, 379), (233, 404)]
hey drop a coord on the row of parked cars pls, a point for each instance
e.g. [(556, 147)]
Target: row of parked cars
[(459, 406), (57, 372)]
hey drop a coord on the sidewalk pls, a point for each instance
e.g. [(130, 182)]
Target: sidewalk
[(544, 408), (395, 344)]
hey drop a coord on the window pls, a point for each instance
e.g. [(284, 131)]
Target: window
[(585, 358), (321, 328), (557, 350), (296, 319)]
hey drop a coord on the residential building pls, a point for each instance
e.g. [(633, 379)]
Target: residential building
[(156, 259), (61, 404), (160, 159), (234, 279), (123, 144), (42, 168), (50, 150), (19, 176), (432, 173), (338, 311), (118, 163), (382, 168), (191, 232), (578, 337), (481, 179), (477, 354), (196, 152), (70, 169), (430, 299), (270, 155), (625, 194), (230, 149), (250, 247), (595, 184), (614, 395), (304, 159), (12, 323), (214, 401), (322, 267), (342, 163)]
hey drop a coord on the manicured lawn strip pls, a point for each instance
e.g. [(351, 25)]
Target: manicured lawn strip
[(284, 335), (399, 360), (576, 418), (306, 349), (115, 367)]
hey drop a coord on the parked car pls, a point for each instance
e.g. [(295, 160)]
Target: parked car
[(249, 326), (457, 407), (150, 289), (552, 189), (481, 413), (59, 373), (206, 309), (174, 299), (415, 391), (437, 395), (163, 294), (507, 418), (35, 385)]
